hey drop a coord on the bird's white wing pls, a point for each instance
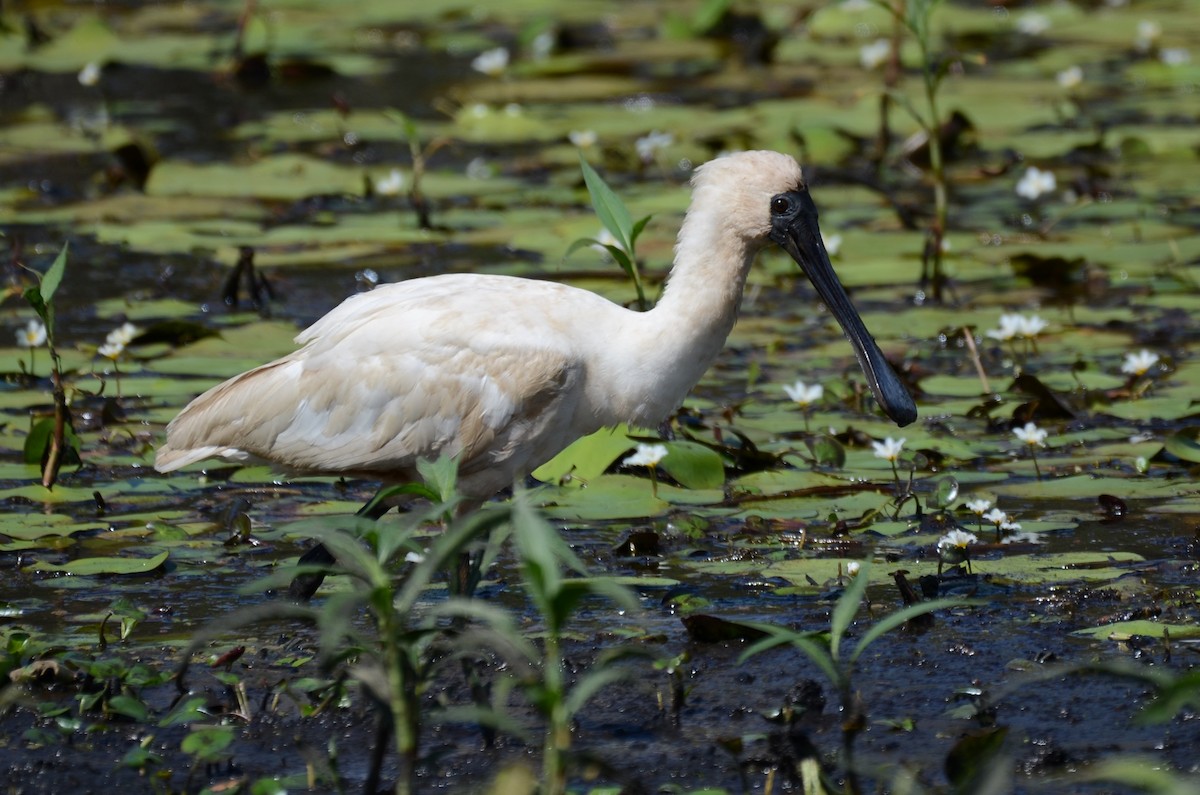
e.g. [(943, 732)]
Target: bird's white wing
[(373, 414)]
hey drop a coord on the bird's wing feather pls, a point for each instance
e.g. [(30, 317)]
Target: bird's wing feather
[(340, 409)]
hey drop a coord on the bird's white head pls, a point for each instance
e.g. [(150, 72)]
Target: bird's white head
[(738, 188), (760, 197)]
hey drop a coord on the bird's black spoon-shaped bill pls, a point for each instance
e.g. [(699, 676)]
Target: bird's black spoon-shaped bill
[(794, 228)]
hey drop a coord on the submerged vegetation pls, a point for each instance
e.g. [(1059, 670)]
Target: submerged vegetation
[(773, 591)]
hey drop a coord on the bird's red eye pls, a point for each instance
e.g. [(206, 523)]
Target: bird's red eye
[(780, 205)]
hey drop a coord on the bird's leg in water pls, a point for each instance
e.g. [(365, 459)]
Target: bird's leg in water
[(303, 586)]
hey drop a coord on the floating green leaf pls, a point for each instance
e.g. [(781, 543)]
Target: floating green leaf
[(84, 567)]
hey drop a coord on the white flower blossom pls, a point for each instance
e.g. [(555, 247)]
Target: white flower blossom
[(111, 350), (1033, 23), (873, 55), (804, 394), (491, 62), (647, 455), (33, 335), (852, 567), (582, 138), (996, 517), (89, 75), (413, 557), (542, 45), (889, 449), (392, 184), (1010, 527), (1032, 435), (1035, 183), (1175, 56), (1138, 363), (604, 238), (122, 335), (1014, 325), (1070, 77), (1010, 325), (478, 168), (1148, 34), (1031, 326), (832, 243), (959, 539), (977, 507), (649, 145)]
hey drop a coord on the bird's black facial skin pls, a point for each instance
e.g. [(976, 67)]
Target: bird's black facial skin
[(794, 228)]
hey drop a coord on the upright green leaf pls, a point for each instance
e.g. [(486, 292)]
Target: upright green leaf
[(54, 276), (847, 606), (609, 208)]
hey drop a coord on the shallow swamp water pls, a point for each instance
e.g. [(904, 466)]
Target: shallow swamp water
[(163, 141)]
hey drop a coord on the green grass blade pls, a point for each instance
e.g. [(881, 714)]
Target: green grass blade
[(609, 208), (890, 622), (54, 276), (847, 606)]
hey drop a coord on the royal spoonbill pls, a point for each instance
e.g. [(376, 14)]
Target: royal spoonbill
[(501, 372)]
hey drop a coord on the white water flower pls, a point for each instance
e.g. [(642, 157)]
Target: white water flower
[(956, 539), (1021, 538), (1033, 23), (1138, 363), (542, 45), (852, 567), (413, 557), (1175, 56), (1010, 527), (33, 335), (649, 145), (804, 394), (978, 507), (111, 350), (491, 62), (392, 184), (1070, 77), (604, 238), (1010, 325), (889, 449), (1031, 326), (1032, 435), (479, 168), (996, 517), (873, 55), (122, 335), (1035, 183), (89, 75), (647, 455), (833, 244), (582, 138), (1148, 34), (1014, 325)]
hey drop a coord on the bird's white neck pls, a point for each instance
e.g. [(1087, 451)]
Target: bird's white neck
[(682, 335)]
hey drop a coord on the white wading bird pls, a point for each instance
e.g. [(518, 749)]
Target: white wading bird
[(503, 373)]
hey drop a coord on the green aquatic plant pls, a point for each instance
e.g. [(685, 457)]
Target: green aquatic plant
[(394, 655), (617, 221), (916, 16), (540, 671), (826, 649), (51, 442), (420, 155)]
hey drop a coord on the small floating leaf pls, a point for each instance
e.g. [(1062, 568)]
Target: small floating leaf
[(1123, 630), (93, 566), (1184, 444)]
